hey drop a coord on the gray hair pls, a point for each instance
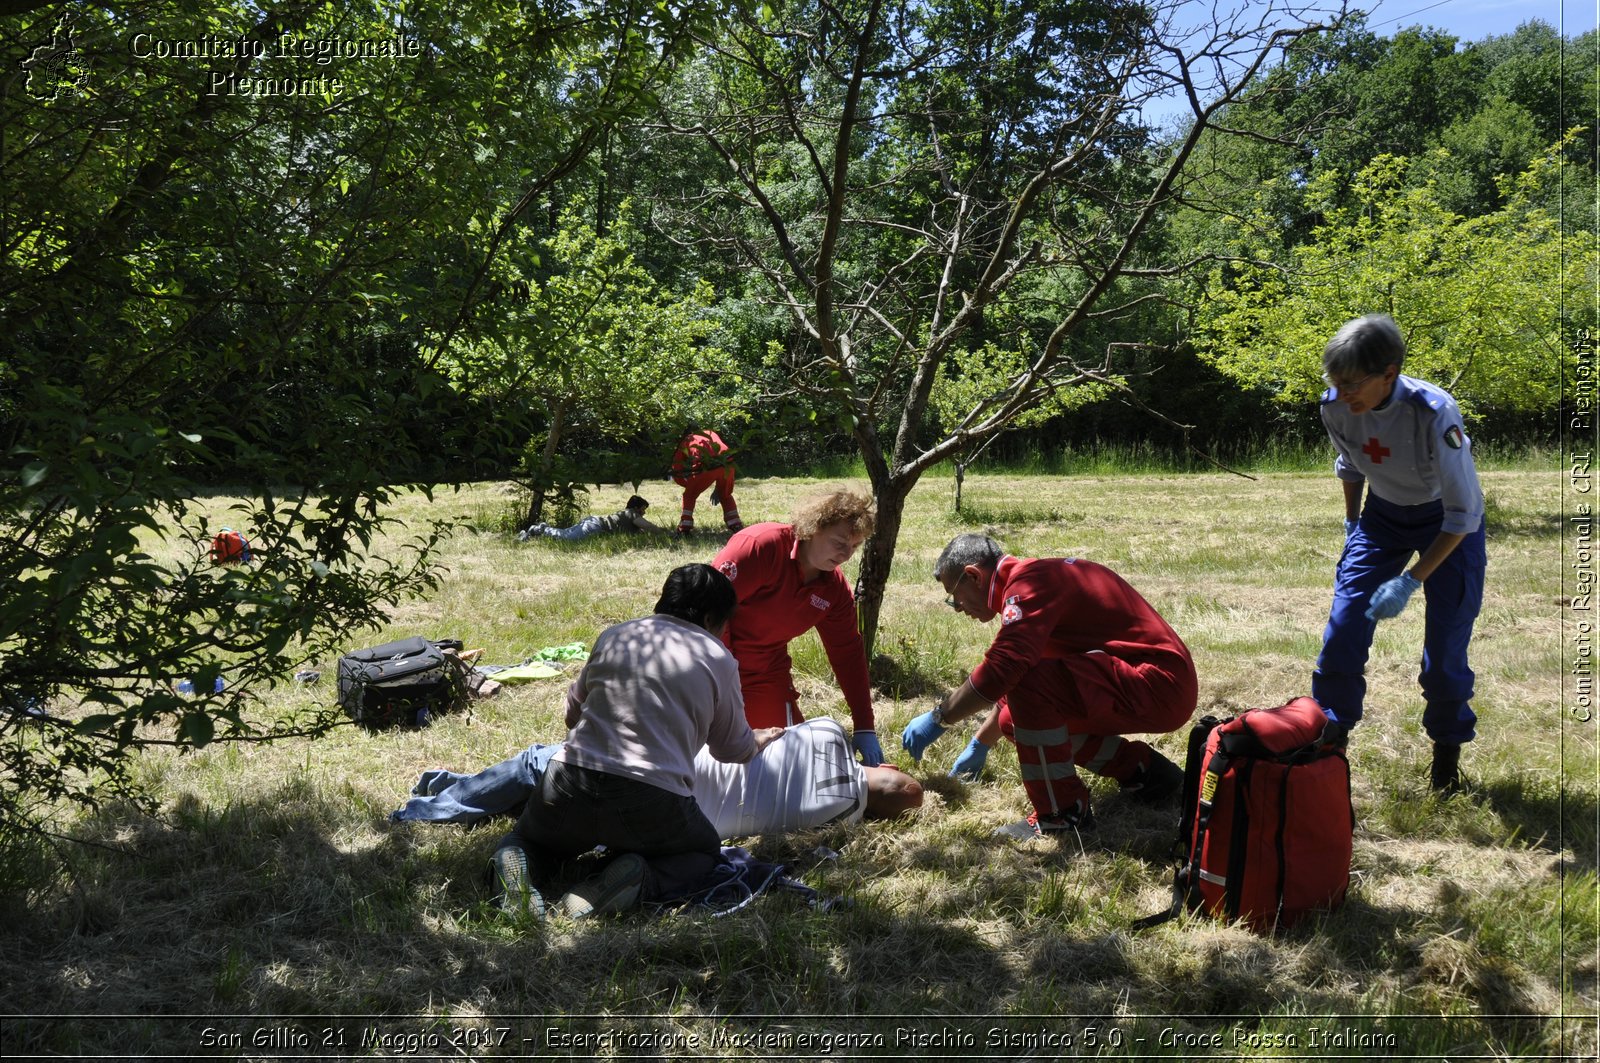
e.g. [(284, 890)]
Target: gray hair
[(968, 549), (1364, 346)]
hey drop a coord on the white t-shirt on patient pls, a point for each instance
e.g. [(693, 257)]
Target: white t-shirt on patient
[(807, 777)]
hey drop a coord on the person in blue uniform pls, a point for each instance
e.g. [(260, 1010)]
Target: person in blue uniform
[(1400, 442)]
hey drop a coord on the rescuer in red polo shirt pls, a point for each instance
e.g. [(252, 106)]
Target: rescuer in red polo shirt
[(703, 460), (1080, 660), (788, 580)]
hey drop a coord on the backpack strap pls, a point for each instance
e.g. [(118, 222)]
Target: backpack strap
[(1188, 846), (1193, 762)]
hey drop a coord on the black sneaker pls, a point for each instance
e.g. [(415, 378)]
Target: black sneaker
[(1445, 775), (515, 890), (1037, 826), (1155, 782), (614, 889)]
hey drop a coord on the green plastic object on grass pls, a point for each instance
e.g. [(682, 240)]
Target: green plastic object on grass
[(543, 665), (525, 673), (572, 651)]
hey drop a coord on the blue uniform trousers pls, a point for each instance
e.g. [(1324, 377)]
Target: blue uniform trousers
[(1378, 550)]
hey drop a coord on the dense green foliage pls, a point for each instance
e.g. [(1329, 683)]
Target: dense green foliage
[(598, 352), (1485, 301), (233, 254), (1449, 184)]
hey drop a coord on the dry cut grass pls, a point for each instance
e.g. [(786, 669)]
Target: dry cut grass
[(272, 908)]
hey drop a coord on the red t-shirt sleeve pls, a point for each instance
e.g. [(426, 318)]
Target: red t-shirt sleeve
[(750, 560), (1031, 606)]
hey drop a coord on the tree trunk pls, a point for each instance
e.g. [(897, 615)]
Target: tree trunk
[(547, 459), (877, 555)]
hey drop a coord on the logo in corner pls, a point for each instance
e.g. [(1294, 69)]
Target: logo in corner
[(729, 569), (1453, 437), (56, 69)]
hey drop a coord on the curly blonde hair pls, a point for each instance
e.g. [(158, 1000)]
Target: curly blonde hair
[(860, 512)]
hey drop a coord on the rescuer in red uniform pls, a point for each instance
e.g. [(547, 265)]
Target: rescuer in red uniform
[(788, 580), (1080, 660), (703, 461)]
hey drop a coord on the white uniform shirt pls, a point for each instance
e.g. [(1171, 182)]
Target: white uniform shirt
[(807, 777), (1411, 451)]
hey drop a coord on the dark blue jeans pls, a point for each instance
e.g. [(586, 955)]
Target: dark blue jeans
[(578, 808), (1385, 539)]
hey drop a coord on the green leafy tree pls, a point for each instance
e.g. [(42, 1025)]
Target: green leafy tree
[(1484, 302), (211, 277), (1341, 98), (602, 355)]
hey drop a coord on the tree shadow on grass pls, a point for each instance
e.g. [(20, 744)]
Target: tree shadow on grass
[(979, 515), (298, 902), (1505, 524), (1530, 805)]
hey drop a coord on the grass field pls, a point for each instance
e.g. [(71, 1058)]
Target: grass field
[(272, 909)]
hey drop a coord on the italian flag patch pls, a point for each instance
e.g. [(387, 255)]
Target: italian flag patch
[(1453, 437)]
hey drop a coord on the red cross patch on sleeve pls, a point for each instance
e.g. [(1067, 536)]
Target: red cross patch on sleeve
[(1012, 611), (730, 569), (1453, 437)]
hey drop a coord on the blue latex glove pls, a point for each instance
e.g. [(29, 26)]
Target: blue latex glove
[(1350, 527), (969, 765), (919, 735), (1389, 599), (866, 743)]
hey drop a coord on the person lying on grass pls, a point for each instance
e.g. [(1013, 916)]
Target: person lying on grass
[(805, 778), (630, 518), (653, 692), (1080, 659)]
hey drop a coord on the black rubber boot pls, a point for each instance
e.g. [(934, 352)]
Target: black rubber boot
[(1156, 782), (1446, 773)]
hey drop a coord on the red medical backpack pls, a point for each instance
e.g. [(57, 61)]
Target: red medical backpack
[(1267, 819)]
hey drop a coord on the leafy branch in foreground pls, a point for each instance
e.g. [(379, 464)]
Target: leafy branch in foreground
[(242, 293)]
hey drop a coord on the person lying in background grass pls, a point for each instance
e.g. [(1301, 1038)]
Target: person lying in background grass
[(1080, 660), (1401, 439), (789, 581), (653, 692), (630, 518), (806, 778)]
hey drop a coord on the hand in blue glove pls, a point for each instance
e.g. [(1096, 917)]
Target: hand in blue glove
[(969, 765), (866, 743), (1389, 599), (919, 735), (1350, 527)]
